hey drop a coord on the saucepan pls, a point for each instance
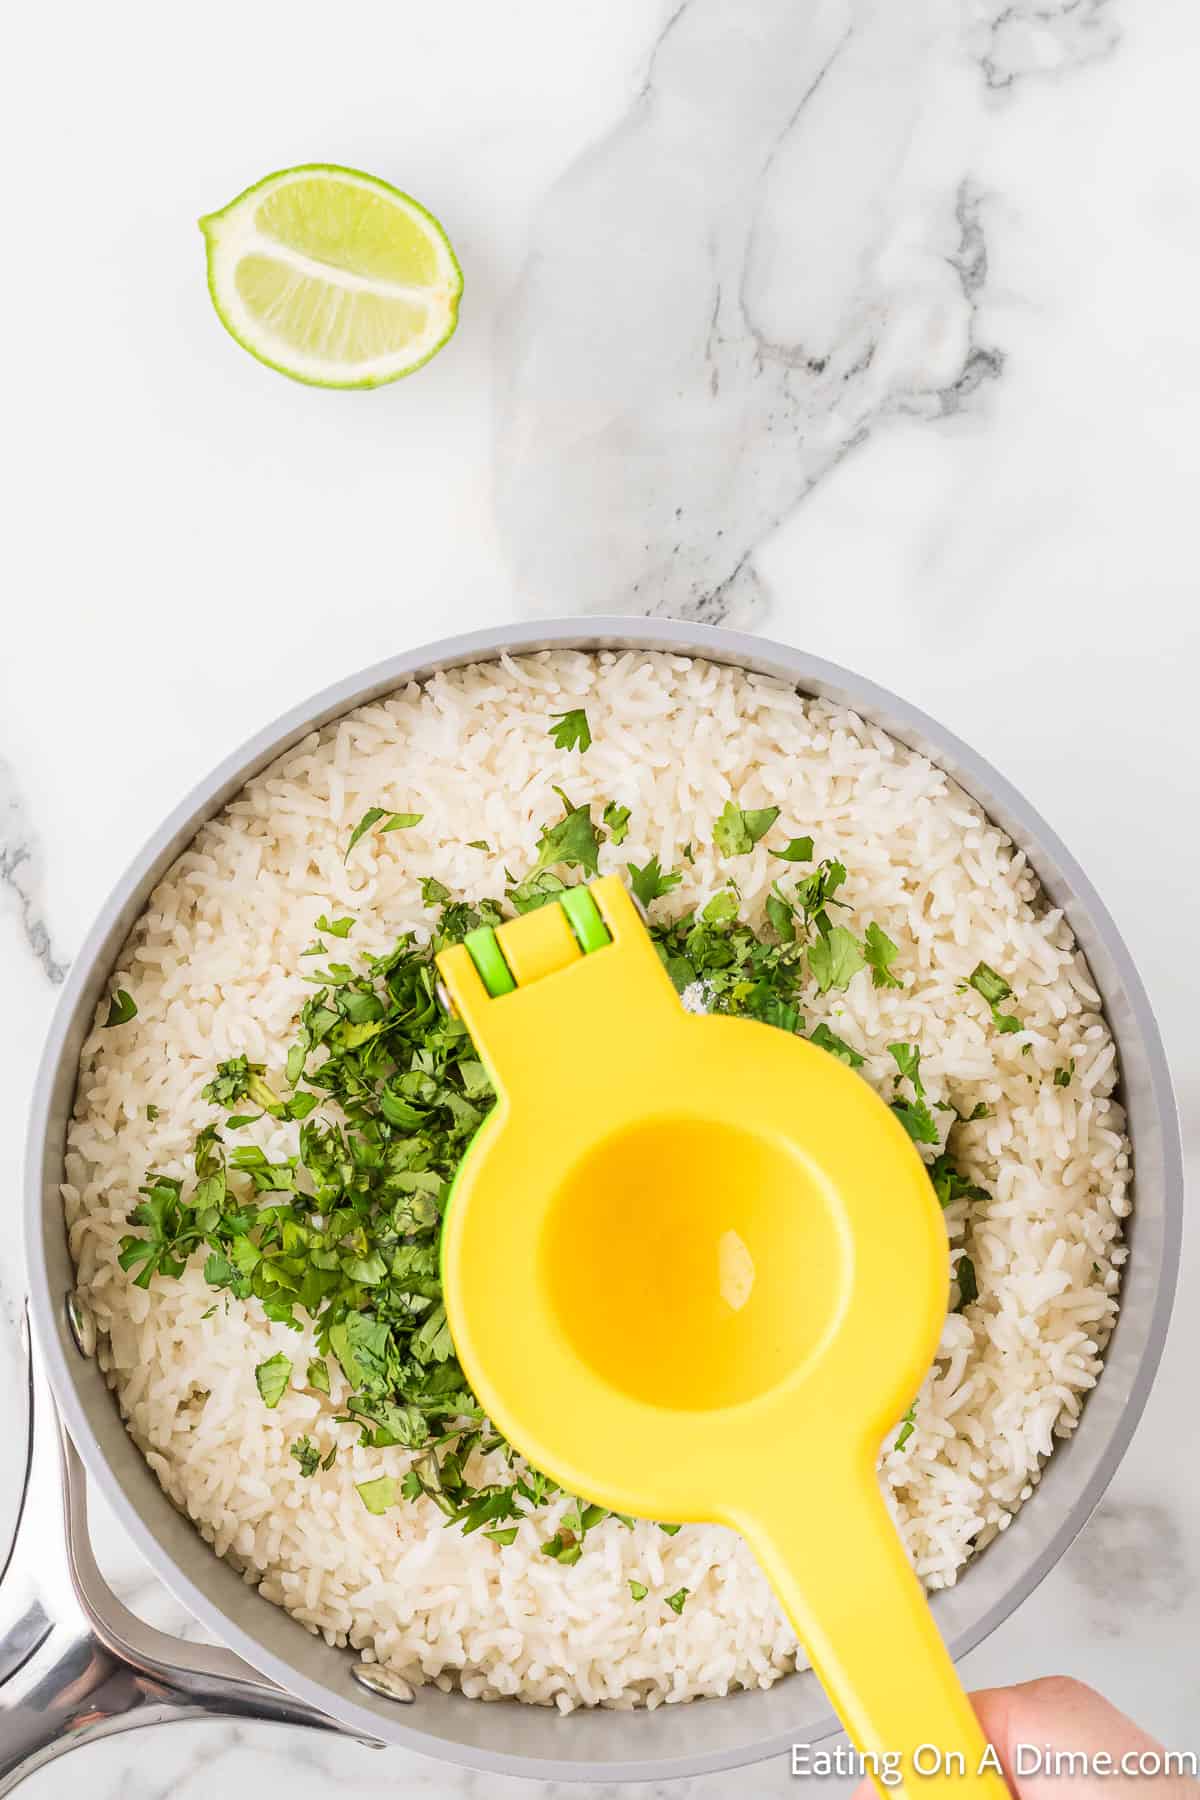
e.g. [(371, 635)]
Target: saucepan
[(76, 1666)]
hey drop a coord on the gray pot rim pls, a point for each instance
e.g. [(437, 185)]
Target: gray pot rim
[(667, 1746)]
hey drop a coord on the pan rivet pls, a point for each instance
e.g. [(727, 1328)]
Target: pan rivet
[(82, 1324), (377, 1679)]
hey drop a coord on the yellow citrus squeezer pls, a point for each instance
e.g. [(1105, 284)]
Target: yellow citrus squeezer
[(694, 1269)]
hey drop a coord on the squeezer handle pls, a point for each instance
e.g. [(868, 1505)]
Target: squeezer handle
[(839, 1569)]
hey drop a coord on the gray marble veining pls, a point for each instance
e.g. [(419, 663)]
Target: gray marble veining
[(21, 876), (1040, 37), (733, 288)]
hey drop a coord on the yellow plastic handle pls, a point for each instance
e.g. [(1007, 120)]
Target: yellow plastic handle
[(865, 1622)]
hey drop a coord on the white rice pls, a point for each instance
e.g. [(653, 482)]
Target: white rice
[(214, 966)]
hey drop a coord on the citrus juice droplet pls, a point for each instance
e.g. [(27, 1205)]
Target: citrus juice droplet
[(694, 1264)]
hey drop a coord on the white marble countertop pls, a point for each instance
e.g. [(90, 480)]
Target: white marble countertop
[(874, 325)]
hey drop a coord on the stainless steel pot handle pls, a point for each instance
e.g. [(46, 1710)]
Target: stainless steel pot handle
[(75, 1664)]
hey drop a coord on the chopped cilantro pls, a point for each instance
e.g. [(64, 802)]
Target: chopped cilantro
[(121, 1008), (917, 1120), (721, 908), (307, 1455), (638, 1589), (950, 1184), (881, 953), (781, 916), (171, 1232), (317, 1375), (616, 818), (433, 892), (571, 844), (994, 989), (649, 882), (572, 730), (338, 928), (152, 1113), (836, 1046), (505, 1536), (907, 1059), (1064, 1077), (908, 1425), (378, 1495), (834, 958), (797, 849), (815, 894), (479, 844), (397, 821), (238, 1079), (968, 1286), (736, 832), (272, 1377), (678, 1600)]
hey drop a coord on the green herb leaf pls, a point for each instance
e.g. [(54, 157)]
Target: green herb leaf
[(814, 894), (917, 1120), (307, 1455), (907, 1426), (649, 882), (272, 1377), (433, 892), (1063, 1077), (880, 953), (152, 1113), (317, 1375), (985, 981), (479, 844), (121, 1008), (338, 928), (678, 1600), (397, 821), (378, 1495), (835, 958), (782, 918), (797, 849), (572, 843), (638, 1589), (505, 1536), (950, 1184), (908, 1060), (994, 989), (371, 817), (571, 730), (968, 1286), (736, 832), (563, 1547), (836, 1046), (616, 818)]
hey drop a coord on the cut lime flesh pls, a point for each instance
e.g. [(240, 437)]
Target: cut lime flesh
[(332, 277)]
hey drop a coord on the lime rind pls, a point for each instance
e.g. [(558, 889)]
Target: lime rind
[(231, 237)]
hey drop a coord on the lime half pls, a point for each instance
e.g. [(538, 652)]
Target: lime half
[(332, 277)]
